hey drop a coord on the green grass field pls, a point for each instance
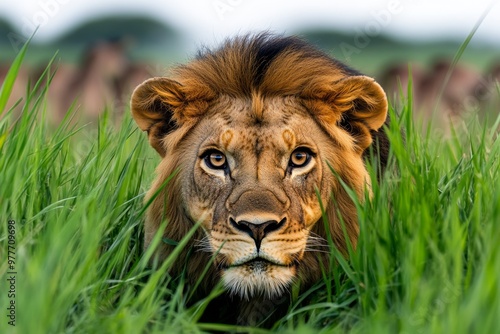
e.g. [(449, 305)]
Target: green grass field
[(71, 210)]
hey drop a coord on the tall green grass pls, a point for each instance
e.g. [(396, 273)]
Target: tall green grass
[(426, 261)]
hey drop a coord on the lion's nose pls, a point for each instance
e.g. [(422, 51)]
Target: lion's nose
[(257, 231)]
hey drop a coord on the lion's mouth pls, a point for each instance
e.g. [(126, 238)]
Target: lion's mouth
[(258, 277), (260, 263)]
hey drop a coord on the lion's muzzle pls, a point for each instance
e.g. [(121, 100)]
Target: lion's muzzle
[(258, 213)]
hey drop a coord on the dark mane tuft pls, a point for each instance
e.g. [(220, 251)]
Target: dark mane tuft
[(265, 64)]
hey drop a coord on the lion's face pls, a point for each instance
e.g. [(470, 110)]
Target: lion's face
[(253, 153), (254, 184)]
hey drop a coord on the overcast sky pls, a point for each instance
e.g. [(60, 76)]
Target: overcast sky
[(209, 21)]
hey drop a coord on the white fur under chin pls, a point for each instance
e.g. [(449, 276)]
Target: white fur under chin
[(269, 281)]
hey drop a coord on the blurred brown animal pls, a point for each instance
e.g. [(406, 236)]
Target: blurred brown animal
[(94, 84), (459, 93), (104, 80), (435, 99)]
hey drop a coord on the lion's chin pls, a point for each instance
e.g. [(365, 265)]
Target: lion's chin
[(258, 278)]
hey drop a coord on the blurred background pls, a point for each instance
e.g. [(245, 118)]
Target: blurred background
[(105, 48)]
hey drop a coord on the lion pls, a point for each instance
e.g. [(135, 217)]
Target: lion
[(261, 134)]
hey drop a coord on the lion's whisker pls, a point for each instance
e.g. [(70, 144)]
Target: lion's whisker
[(316, 250), (203, 245)]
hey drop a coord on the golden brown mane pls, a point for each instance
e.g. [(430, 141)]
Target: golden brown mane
[(261, 65)]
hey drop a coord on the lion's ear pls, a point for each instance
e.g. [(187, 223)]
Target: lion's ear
[(361, 99), (359, 107), (156, 105), (363, 105)]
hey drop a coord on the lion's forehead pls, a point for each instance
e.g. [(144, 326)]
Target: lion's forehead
[(252, 139), (278, 127)]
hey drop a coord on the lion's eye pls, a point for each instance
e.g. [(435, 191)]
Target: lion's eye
[(300, 158), (215, 160)]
